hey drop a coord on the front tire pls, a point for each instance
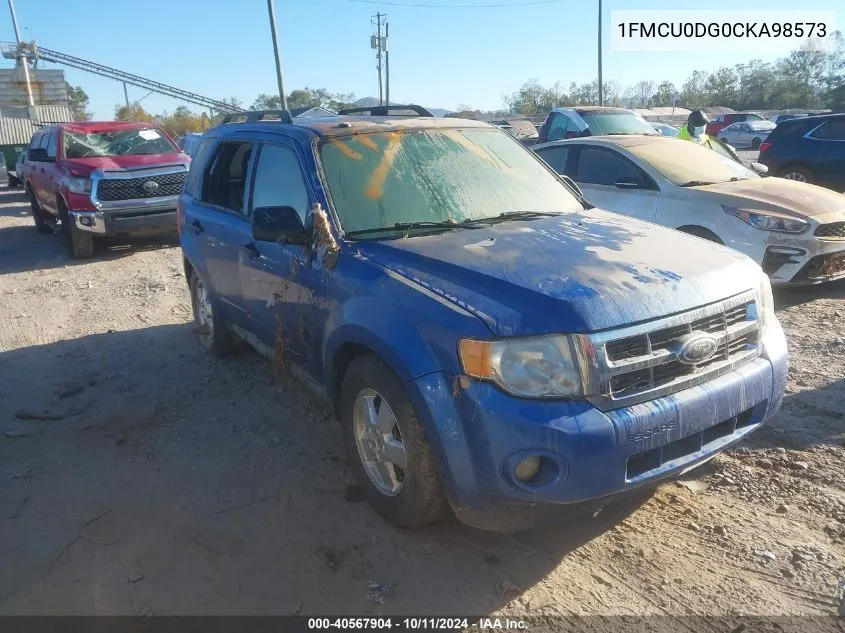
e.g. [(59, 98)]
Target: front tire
[(80, 243), (386, 446), (212, 332)]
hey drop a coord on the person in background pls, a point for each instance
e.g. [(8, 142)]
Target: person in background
[(694, 129)]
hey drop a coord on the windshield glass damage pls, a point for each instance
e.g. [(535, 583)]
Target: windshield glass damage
[(132, 142), (396, 180)]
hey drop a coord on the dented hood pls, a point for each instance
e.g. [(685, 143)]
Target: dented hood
[(778, 194), (85, 166), (574, 273)]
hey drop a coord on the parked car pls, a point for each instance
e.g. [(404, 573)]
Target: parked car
[(562, 123), (15, 176), (794, 230), (724, 120), (487, 338), (5, 177), (188, 142), (749, 134), (808, 149), (664, 129), (780, 118), (93, 179)]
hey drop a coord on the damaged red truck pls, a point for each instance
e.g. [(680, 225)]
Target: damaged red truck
[(96, 179)]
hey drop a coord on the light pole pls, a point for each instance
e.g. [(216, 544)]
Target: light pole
[(21, 56), (282, 98), (601, 87)]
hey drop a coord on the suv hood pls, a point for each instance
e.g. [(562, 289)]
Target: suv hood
[(574, 273), (84, 166), (778, 194)]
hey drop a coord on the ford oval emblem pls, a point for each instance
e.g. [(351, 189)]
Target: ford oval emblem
[(696, 348), (150, 186)]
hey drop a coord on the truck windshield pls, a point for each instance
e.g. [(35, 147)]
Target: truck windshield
[(131, 142), (607, 123), (684, 163), (443, 176)]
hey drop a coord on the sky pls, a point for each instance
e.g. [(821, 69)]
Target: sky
[(439, 57)]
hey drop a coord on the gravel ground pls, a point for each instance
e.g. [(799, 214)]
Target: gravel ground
[(140, 475)]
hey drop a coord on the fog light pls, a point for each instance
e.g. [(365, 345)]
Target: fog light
[(527, 469), (86, 220)]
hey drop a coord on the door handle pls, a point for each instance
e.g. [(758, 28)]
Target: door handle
[(251, 250), (197, 227)]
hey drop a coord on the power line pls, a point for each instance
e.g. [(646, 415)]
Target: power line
[(460, 6)]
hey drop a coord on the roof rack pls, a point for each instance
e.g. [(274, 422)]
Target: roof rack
[(386, 110), (251, 116)]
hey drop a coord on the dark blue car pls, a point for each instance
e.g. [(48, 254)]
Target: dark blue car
[(808, 149), (489, 341)]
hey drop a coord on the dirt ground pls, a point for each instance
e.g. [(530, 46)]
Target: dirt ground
[(138, 475)]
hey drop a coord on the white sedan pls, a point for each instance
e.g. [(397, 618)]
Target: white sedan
[(794, 230), (746, 134)]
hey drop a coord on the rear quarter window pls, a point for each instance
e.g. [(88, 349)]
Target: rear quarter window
[(197, 165)]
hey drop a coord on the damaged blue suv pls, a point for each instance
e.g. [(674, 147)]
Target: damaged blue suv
[(489, 341)]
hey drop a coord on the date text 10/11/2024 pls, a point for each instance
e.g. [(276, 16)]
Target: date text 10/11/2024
[(413, 624)]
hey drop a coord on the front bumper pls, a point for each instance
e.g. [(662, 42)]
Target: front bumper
[(131, 218), (596, 456), (804, 259)]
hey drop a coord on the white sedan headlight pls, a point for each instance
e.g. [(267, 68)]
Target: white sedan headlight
[(535, 367), (767, 221)]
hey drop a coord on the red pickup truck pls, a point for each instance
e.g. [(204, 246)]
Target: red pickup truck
[(94, 179)]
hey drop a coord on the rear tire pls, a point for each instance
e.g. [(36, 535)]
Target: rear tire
[(212, 332), (372, 391), (700, 231), (755, 144), (798, 174), (38, 215)]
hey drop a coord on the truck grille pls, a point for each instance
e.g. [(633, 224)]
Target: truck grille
[(110, 189), (646, 363), (833, 230)]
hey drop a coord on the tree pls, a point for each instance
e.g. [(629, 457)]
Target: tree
[(693, 95), (665, 95), (305, 98), (183, 121), (530, 99), (721, 87), (78, 102), (133, 112), (641, 93)]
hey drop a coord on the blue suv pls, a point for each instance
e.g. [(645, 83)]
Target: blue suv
[(489, 341)]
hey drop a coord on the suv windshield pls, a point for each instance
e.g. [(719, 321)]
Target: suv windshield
[(685, 163), (616, 123), (385, 179), (124, 142)]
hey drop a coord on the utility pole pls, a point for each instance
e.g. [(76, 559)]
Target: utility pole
[(378, 46), (601, 87), (125, 94), (282, 99), (386, 63), (21, 56)]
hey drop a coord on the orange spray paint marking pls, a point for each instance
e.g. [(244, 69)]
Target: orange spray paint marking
[(366, 141), (375, 188), (346, 150)]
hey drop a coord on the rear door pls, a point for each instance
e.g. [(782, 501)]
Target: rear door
[(828, 143), (278, 282), (218, 222), (607, 179)]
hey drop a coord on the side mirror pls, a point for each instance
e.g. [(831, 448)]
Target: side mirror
[(277, 224), (628, 182), (760, 168), (39, 155)]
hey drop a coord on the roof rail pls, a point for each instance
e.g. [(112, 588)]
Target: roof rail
[(386, 110), (251, 116)]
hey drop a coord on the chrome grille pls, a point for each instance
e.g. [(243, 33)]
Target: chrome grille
[(833, 230), (641, 362), (110, 189)]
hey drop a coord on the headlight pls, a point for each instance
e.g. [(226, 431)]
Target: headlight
[(536, 367), (765, 302), (78, 185), (767, 221)]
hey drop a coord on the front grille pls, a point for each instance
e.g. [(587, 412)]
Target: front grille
[(833, 230), (649, 360), (110, 189)]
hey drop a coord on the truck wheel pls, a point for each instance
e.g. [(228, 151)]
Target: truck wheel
[(210, 328), (386, 446), (38, 215)]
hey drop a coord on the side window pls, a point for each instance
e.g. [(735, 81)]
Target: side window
[(833, 130), (51, 144), (559, 127), (279, 181), (598, 166), (197, 164), (224, 182), (556, 158)]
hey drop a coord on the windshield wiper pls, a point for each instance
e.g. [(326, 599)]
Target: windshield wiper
[(697, 183), (404, 226), (510, 215)]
